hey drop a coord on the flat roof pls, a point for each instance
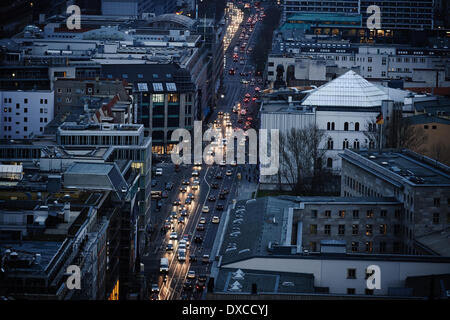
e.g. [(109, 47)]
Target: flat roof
[(401, 166)]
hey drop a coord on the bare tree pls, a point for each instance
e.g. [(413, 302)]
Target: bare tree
[(401, 135), (301, 159)]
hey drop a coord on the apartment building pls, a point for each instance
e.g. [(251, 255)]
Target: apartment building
[(25, 114), (420, 183)]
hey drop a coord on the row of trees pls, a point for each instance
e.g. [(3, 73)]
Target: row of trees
[(264, 43)]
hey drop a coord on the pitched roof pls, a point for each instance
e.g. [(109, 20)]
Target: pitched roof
[(348, 90)]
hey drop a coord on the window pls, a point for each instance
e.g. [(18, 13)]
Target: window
[(314, 214), (342, 213), (329, 163), (140, 76), (436, 218), (383, 228), (17, 105), (313, 246), (356, 144), (355, 246), (341, 229), (346, 126), (369, 230), (437, 202), (425, 126), (25, 119), (369, 59), (369, 246), (351, 273), (158, 98), (328, 125), (397, 214), (382, 247), (369, 69), (369, 213), (327, 229), (351, 291), (332, 126), (355, 214), (434, 127), (356, 126), (327, 213), (330, 144), (383, 213), (396, 229), (125, 76), (25, 129), (313, 229), (369, 292), (25, 100), (345, 144), (25, 110)]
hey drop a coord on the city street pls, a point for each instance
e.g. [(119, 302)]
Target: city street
[(218, 185)]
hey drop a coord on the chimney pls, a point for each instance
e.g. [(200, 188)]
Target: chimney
[(66, 211)]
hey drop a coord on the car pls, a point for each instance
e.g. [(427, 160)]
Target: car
[(229, 173), (195, 185), (173, 215), (186, 239), (192, 258), (187, 286), (231, 72), (181, 220), (215, 219), (155, 288), (218, 176), (191, 274), (200, 227), (205, 209), (176, 202), (183, 189), (220, 113), (198, 239), (154, 182), (205, 258), (167, 225), (188, 201), (184, 213), (222, 196), (219, 207), (169, 186), (159, 172), (202, 220), (181, 255), (173, 236), (211, 198), (244, 81), (195, 173), (214, 185), (186, 182), (164, 194), (233, 163), (169, 247), (225, 191)]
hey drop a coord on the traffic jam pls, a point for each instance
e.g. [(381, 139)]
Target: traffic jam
[(196, 203)]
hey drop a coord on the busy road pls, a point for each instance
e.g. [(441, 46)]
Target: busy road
[(189, 200)]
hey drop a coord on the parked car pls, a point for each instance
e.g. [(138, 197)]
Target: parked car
[(205, 209), (191, 274), (159, 172), (200, 227)]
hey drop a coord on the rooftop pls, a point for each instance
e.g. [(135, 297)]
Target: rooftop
[(348, 90), (401, 167)]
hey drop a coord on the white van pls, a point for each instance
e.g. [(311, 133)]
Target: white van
[(164, 265)]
